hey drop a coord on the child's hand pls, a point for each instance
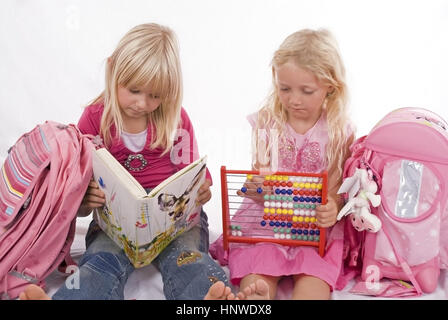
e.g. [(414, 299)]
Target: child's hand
[(93, 198), (204, 193), (326, 214), (252, 186)]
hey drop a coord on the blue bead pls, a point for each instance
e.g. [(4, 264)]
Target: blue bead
[(301, 199), (313, 200), (289, 224), (283, 224), (289, 191), (319, 200), (317, 232), (299, 231), (277, 224), (295, 199), (312, 232), (263, 223), (272, 223), (283, 191), (244, 189), (259, 190), (278, 191), (307, 199), (293, 231), (305, 231)]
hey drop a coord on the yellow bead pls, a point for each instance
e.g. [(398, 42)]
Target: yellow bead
[(266, 210), (307, 219), (300, 219), (279, 211), (272, 210), (312, 219), (313, 186), (295, 184), (295, 218), (301, 185), (285, 178), (267, 178), (290, 211), (285, 211), (319, 186), (307, 185)]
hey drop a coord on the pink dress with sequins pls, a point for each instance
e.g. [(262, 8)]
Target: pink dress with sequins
[(300, 153)]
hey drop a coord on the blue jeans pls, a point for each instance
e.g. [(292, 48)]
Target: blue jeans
[(187, 269)]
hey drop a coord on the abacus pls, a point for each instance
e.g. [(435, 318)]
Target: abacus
[(287, 216)]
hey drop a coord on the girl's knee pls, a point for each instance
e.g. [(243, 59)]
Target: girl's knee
[(311, 288), (107, 262)]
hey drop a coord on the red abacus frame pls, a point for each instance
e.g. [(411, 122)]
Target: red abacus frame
[(226, 217)]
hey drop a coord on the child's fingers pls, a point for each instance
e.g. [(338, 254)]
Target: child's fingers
[(93, 201), (95, 191), (204, 196), (325, 218)]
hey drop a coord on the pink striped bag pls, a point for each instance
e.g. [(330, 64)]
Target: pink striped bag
[(406, 235), (44, 178)]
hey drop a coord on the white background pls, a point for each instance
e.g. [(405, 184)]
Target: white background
[(52, 56)]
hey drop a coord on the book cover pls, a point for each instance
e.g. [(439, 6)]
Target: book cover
[(142, 223)]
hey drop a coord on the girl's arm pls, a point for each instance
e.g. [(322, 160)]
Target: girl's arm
[(327, 214)]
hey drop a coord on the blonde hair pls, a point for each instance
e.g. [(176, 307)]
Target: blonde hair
[(317, 52), (146, 56)]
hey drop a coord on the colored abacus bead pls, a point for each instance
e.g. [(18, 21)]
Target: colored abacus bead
[(259, 190), (244, 189)]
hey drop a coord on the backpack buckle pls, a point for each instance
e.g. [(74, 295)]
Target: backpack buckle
[(24, 276)]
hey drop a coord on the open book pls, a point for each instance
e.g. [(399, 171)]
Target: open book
[(142, 223)]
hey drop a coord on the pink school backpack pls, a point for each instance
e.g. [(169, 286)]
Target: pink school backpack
[(406, 155), (43, 181)]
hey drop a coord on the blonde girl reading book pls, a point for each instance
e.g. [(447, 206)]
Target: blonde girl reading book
[(307, 111), (137, 116)]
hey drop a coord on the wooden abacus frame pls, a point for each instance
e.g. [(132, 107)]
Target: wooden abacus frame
[(228, 237)]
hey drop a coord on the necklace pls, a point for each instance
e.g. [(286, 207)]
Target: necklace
[(135, 162)]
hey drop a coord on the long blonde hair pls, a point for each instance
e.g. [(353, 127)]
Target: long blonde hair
[(317, 52), (148, 54)]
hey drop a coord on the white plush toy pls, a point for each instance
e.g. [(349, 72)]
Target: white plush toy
[(361, 190)]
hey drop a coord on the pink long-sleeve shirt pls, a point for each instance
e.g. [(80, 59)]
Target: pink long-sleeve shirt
[(158, 167)]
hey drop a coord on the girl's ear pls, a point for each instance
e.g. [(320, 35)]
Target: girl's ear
[(330, 91)]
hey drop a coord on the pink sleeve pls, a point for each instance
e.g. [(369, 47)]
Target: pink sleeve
[(89, 123), (252, 118), (191, 147)]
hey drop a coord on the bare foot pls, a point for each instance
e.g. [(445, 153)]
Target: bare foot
[(33, 292), (258, 290), (219, 291)]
